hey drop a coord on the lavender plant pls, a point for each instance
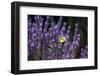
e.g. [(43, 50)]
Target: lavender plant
[(84, 52), (48, 40)]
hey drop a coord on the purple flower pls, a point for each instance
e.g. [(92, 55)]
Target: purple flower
[(43, 39), (84, 52)]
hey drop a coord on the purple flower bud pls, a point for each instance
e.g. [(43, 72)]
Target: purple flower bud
[(64, 23), (84, 53), (54, 33), (63, 29), (34, 35), (47, 34)]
